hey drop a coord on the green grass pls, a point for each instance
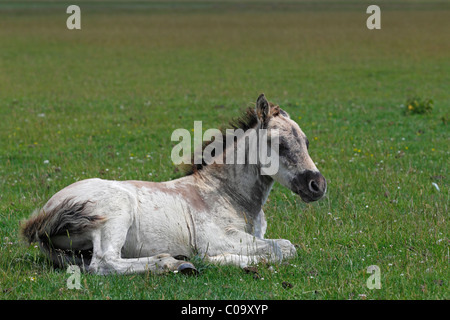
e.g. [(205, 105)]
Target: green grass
[(103, 102)]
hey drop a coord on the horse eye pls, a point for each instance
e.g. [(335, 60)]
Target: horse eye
[(307, 144)]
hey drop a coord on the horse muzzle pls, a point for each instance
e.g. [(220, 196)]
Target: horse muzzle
[(309, 185)]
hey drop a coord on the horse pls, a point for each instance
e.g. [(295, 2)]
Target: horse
[(214, 211)]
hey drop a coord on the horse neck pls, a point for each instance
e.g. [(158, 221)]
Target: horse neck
[(242, 185)]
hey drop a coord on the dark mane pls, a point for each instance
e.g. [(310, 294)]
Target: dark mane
[(246, 121)]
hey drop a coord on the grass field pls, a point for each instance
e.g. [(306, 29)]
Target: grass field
[(104, 100)]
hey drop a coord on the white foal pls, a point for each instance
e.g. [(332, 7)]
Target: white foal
[(214, 211)]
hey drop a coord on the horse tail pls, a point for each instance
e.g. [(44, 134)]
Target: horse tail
[(69, 217)]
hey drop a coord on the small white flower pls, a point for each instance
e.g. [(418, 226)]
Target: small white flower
[(436, 186), (46, 162)]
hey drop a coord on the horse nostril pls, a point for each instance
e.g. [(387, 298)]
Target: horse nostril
[(313, 186)]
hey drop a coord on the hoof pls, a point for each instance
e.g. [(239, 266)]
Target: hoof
[(181, 257), (188, 269)]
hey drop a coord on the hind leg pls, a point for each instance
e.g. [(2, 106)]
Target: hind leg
[(65, 250), (106, 257), (156, 264)]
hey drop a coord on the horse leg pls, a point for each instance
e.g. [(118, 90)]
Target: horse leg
[(287, 248), (106, 257), (282, 247), (233, 259), (243, 249), (158, 264), (260, 225)]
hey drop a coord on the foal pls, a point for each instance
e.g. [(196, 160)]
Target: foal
[(215, 210)]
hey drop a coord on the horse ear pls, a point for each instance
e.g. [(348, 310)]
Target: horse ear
[(262, 107)]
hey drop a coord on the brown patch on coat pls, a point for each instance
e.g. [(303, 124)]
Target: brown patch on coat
[(187, 192)]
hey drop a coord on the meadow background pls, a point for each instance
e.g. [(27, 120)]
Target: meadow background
[(104, 100)]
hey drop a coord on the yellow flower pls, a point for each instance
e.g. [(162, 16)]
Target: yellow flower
[(410, 107)]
